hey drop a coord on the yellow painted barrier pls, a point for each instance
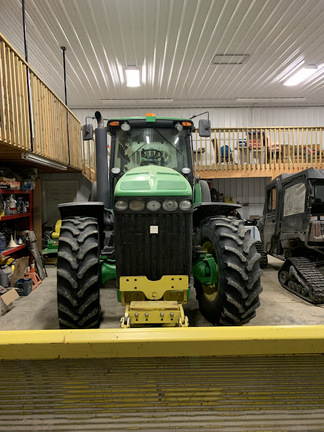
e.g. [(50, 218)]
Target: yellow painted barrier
[(161, 342)]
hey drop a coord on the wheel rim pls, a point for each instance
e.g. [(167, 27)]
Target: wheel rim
[(210, 291)]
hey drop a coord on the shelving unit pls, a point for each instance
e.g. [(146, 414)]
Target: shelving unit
[(19, 216)]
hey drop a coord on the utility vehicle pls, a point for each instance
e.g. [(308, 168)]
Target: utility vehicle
[(292, 229)]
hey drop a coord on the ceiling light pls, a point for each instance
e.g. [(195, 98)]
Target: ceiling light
[(301, 75), (132, 76), (271, 99), (41, 161), (132, 102), (229, 59)]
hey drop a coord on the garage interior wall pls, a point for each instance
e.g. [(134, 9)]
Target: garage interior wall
[(60, 188), (248, 192), (224, 117)]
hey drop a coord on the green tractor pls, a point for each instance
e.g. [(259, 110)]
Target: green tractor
[(155, 230)]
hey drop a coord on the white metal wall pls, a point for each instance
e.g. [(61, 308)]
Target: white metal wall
[(60, 188), (226, 117), (248, 192)]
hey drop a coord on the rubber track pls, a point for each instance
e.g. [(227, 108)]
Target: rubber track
[(310, 278), (241, 270), (78, 273)]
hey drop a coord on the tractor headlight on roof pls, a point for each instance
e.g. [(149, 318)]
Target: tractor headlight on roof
[(170, 205), (185, 205), (121, 205)]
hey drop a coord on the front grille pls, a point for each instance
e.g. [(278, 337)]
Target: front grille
[(139, 253)]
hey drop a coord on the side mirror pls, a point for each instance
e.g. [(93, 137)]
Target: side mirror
[(87, 132), (204, 128)]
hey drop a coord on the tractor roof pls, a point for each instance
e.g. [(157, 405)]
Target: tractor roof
[(309, 173)]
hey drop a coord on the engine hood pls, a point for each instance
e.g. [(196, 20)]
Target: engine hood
[(152, 180)]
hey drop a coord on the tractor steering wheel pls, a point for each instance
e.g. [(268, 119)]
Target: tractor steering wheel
[(152, 154)]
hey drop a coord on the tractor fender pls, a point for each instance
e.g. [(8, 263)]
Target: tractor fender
[(211, 209), (84, 209)]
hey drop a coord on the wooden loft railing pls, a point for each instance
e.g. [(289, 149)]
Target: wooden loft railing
[(89, 159), (258, 152), (55, 129), (247, 152)]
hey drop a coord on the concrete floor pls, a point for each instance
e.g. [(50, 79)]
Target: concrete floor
[(278, 307)]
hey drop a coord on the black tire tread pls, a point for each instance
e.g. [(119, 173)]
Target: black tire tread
[(78, 273), (238, 294)]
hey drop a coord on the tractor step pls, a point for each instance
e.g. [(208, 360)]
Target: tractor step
[(164, 313)]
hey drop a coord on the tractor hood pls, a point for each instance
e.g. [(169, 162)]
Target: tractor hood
[(153, 180)]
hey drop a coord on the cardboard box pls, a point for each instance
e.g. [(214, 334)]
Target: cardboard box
[(6, 300), (14, 185), (10, 184)]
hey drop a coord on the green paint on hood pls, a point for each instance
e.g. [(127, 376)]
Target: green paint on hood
[(152, 180)]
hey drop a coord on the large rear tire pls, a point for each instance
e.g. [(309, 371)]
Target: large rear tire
[(234, 299), (78, 274)]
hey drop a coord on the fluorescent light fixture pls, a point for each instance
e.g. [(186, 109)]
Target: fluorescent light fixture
[(132, 76), (301, 75), (31, 157), (271, 99), (132, 102), (229, 59)]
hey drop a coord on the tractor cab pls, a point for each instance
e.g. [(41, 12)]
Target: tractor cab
[(150, 141)]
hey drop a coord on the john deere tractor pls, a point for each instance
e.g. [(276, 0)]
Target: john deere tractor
[(155, 230)]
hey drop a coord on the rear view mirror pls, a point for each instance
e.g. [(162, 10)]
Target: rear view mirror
[(87, 132), (204, 128)]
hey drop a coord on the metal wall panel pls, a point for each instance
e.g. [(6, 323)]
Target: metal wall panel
[(225, 117), (249, 192)]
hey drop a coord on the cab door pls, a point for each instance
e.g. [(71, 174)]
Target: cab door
[(271, 222)]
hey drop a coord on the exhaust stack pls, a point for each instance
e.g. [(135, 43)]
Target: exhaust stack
[(101, 160)]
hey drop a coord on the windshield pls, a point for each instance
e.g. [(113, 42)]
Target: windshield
[(151, 146)]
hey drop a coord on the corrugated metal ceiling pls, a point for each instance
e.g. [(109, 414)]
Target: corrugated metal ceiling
[(173, 42)]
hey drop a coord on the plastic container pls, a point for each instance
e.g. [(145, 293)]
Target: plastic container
[(24, 286), (5, 275), (3, 243)]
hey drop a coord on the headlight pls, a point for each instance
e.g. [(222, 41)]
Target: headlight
[(185, 205), (170, 205), (153, 205), (121, 205), (137, 205)]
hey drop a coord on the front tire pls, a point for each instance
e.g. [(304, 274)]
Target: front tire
[(234, 299), (78, 274)]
